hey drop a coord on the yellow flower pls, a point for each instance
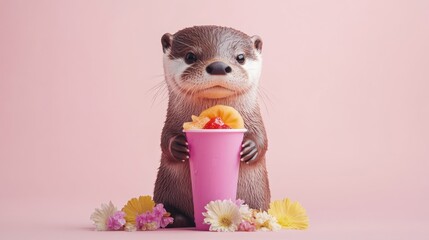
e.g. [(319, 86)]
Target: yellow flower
[(137, 206), (289, 215)]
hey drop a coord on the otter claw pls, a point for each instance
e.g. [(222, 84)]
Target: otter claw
[(249, 151), (179, 147)]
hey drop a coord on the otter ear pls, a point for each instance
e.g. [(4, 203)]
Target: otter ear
[(166, 41), (257, 43)]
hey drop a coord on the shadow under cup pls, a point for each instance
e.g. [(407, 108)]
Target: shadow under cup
[(214, 164)]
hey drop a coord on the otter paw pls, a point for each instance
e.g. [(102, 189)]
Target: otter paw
[(249, 151), (179, 147), (180, 221)]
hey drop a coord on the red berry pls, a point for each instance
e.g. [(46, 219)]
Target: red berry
[(216, 123)]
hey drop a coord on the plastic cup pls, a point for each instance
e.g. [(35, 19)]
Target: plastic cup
[(214, 164)]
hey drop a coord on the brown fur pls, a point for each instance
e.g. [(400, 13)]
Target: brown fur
[(173, 183)]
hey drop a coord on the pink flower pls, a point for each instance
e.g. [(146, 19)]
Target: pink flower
[(116, 221), (147, 221), (246, 226), (152, 220), (159, 210), (165, 221), (163, 216)]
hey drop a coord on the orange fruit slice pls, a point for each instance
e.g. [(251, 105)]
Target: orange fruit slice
[(229, 115), (197, 123)]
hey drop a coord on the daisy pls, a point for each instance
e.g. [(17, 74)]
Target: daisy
[(289, 215), (137, 206), (266, 222), (108, 218), (246, 212), (223, 216)]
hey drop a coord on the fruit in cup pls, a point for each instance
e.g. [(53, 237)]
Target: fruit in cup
[(216, 123), (197, 123), (228, 115)]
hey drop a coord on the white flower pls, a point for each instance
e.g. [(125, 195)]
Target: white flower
[(223, 216), (246, 212), (266, 222), (129, 227), (101, 216)]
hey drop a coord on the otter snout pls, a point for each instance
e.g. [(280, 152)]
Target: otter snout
[(218, 68)]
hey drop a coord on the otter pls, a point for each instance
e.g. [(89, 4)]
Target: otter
[(205, 66)]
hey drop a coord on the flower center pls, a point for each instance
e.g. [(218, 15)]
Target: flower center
[(266, 224), (225, 222)]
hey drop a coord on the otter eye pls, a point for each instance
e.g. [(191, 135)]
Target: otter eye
[(190, 58), (240, 58)]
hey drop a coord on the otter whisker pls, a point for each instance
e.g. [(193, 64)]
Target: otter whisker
[(264, 96), (159, 89), (263, 100), (156, 86), (157, 76)]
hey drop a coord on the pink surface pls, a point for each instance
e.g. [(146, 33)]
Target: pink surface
[(345, 86), (214, 164)]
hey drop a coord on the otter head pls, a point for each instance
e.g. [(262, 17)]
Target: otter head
[(211, 62)]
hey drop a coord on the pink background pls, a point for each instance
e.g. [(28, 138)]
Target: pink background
[(347, 111)]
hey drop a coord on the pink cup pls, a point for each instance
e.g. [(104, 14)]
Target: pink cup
[(214, 162)]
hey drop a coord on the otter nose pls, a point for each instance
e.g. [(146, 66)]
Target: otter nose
[(218, 68)]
